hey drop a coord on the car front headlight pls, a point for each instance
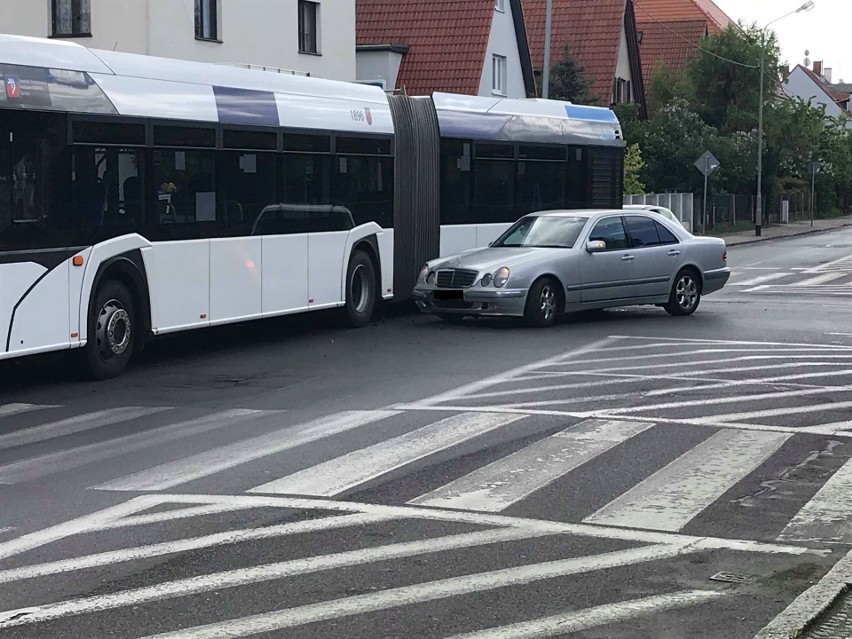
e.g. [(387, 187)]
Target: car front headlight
[(501, 277), (430, 279), (486, 279), (423, 273)]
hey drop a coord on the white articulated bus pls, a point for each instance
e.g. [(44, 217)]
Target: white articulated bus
[(142, 196)]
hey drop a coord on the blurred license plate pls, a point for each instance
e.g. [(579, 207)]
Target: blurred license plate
[(449, 295)]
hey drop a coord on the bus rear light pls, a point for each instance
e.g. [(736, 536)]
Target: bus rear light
[(203, 316), (75, 334), (77, 260)]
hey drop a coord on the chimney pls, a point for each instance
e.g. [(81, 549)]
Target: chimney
[(818, 68), (828, 74)]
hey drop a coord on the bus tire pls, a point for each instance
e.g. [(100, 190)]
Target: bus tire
[(112, 331), (360, 289)]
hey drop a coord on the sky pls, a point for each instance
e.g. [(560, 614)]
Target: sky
[(825, 31)]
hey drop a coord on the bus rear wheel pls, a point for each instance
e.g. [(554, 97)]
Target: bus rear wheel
[(112, 331), (360, 289)]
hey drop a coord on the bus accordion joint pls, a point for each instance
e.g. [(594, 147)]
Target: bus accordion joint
[(77, 260)]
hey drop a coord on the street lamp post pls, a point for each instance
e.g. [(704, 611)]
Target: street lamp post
[(545, 71), (758, 221)]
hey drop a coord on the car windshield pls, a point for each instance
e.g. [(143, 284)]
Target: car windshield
[(543, 232)]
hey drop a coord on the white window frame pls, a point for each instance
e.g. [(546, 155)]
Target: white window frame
[(499, 74), (500, 5)]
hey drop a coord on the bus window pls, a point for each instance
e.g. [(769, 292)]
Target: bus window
[(248, 185), (307, 179), (364, 185), (541, 186), (495, 191), (33, 181), (456, 182), (185, 193), (107, 197)]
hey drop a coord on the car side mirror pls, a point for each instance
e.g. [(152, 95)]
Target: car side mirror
[(596, 246), (490, 244)]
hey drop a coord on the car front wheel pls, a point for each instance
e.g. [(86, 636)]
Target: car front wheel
[(544, 301), (685, 294)]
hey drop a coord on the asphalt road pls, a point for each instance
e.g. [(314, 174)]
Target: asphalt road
[(624, 474)]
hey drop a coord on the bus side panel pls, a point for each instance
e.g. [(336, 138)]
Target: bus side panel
[(327, 256), (15, 280), (77, 301), (179, 279), (285, 273), (236, 274), (487, 233), (41, 319), (386, 240), (456, 238)]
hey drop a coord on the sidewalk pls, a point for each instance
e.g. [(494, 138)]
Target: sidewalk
[(793, 229)]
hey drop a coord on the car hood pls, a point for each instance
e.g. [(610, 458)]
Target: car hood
[(490, 259)]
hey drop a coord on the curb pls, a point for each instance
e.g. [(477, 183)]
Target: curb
[(755, 240), (811, 604)]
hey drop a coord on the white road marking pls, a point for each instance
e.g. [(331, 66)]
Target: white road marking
[(812, 360), (308, 565), (673, 496), (421, 593), (73, 425), (616, 415), (475, 387), (820, 279), (761, 279), (827, 517), (841, 334), (51, 463), (8, 529), (510, 479), (73, 527), (587, 618), (485, 519), (186, 545), (828, 265), (171, 515), (7, 410), (704, 340), (222, 458), (343, 473), (808, 353), (776, 412)]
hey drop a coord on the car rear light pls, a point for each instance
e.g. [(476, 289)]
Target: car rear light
[(725, 257)]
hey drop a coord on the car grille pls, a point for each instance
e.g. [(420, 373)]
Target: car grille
[(456, 278)]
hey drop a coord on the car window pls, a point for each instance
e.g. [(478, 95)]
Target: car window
[(611, 231), (666, 236), (642, 231), (543, 232)]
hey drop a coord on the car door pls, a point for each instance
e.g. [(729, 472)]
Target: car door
[(657, 254), (606, 274)]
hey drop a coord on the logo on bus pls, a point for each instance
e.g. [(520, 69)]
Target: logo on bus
[(369, 116), (13, 89)]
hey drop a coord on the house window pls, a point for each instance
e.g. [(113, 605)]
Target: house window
[(308, 26), (622, 91), (206, 19), (498, 75), (500, 5), (72, 17)]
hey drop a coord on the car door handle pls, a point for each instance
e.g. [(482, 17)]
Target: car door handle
[(674, 252), (628, 258)]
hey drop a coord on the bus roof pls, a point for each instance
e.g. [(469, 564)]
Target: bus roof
[(148, 86)]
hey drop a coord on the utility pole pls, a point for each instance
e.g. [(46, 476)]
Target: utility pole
[(545, 71)]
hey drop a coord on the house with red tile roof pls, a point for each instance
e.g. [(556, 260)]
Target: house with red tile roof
[(671, 30), (814, 86), (471, 47), (601, 35)]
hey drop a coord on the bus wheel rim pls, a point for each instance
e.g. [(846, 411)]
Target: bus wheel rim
[(113, 330)]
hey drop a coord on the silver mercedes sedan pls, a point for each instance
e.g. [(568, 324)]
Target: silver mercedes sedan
[(554, 262)]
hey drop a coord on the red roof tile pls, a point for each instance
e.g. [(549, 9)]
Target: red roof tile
[(669, 44), (448, 40), (592, 30), (679, 10)]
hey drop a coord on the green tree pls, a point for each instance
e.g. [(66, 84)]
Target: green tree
[(725, 77), (665, 85), (633, 165), (568, 81)]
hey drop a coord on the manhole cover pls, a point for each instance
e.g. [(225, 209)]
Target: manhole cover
[(730, 577)]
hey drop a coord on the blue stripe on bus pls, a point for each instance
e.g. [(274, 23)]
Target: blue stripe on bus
[(243, 106)]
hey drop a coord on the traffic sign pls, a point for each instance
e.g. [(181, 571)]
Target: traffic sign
[(707, 163)]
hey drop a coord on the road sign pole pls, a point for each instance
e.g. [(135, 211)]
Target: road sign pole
[(706, 176), (813, 189)]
